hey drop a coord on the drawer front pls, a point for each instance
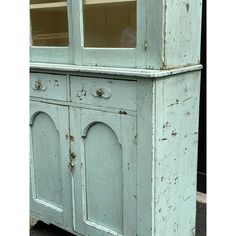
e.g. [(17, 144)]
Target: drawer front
[(48, 86), (104, 92)]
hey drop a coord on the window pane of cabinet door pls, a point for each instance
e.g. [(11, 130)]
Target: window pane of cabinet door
[(109, 23), (49, 22)]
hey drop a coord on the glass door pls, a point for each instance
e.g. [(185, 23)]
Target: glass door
[(110, 23), (110, 34), (49, 30)]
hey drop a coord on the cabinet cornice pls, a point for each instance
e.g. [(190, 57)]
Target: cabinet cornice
[(144, 73)]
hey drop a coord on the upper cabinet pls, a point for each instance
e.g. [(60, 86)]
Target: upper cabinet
[(154, 34)]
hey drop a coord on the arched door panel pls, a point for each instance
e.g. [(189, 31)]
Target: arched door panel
[(50, 178), (47, 160), (104, 177)]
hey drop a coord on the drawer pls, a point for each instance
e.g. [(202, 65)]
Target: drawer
[(48, 86), (111, 93)]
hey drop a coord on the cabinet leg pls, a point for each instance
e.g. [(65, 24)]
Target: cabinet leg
[(33, 222)]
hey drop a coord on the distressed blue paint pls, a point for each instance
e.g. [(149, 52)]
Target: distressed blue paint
[(120, 143)]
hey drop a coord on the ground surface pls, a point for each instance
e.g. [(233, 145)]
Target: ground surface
[(49, 230)]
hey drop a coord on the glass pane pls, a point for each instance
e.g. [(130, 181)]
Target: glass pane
[(49, 24), (110, 23)]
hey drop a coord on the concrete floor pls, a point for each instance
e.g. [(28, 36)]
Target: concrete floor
[(201, 219), (42, 229)]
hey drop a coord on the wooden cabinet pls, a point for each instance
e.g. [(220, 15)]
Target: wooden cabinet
[(114, 90)]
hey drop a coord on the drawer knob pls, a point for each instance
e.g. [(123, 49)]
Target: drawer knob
[(101, 92), (39, 85)]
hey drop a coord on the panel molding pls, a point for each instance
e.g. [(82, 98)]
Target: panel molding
[(86, 129), (35, 114), (102, 228), (47, 204)]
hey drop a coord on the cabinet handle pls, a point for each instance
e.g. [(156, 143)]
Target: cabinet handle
[(101, 92), (39, 85)]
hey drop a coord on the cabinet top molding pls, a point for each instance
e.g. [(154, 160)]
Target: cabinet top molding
[(145, 73)]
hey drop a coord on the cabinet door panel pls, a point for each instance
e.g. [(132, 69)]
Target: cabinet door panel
[(104, 177), (47, 160), (50, 198), (105, 183)]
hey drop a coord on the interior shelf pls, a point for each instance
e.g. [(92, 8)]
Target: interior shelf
[(51, 36), (48, 5)]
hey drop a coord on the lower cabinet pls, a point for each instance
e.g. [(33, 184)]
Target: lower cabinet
[(83, 169), (116, 157)]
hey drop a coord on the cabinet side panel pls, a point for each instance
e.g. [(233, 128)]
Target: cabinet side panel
[(104, 177), (182, 36), (176, 125), (47, 157)]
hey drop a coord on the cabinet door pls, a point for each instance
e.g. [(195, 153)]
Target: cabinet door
[(104, 173), (50, 40), (50, 177), (110, 33)]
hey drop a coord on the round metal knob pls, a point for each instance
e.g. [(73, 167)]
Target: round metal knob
[(99, 92), (38, 84)]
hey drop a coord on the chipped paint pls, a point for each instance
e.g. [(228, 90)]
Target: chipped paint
[(187, 6)]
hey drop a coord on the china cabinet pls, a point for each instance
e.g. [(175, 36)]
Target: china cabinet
[(114, 106)]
